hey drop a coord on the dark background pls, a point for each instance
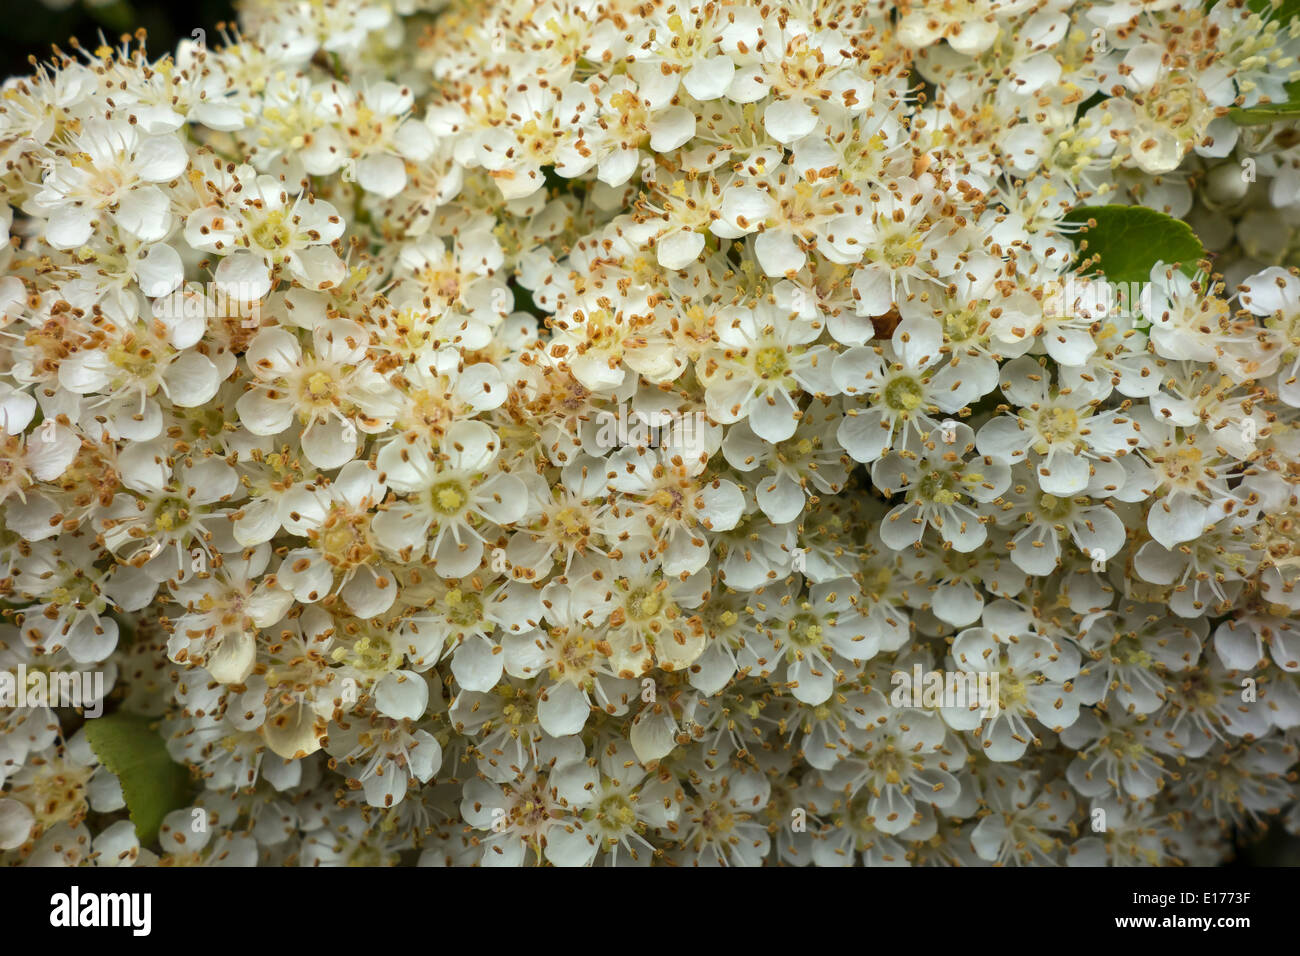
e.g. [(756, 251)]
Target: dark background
[(31, 27)]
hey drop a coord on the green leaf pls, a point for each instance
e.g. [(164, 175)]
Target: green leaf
[(1265, 113), (1283, 12), (1126, 241), (152, 784)]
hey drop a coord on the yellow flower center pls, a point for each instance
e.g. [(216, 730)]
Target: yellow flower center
[(272, 232), (771, 361), (449, 498), (318, 385), (904, 394), (1058, 424)]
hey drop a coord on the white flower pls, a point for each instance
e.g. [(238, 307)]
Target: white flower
[(1274, 295), (110, 167), (1040, 520), (627, 802), (368, 130), (906, 385), (909, 775), (970, 28), (722, 827), (218, 632), (936, 482), (263, 232), (1033, 681), (1119, 754), (389, 754), (788, 213), (905, 241), (568, 658), (807, 463), (766, 356), (672, 512), (337, 522), (812, 632), (522, 816), (574, 418), (453, 491), (1018, 831), (1207, 574), (1069, 439), (670, 49), (126, 373), (1139, 653), (650, 620), (333, 391)]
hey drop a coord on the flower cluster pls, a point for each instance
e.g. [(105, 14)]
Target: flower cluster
[(546, 431)]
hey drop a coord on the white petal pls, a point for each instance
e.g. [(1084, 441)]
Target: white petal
[(160, 271), (780, 497), (671, 128), (370, 595), (160, 158), (145, 213), (653, 733), (778, 253), (789, 120), (243, 276), (563, 710), (477, 664), (1176, 519), (69, 227), (384, 175), (709, 78), (15, 823), (723, 505), (192, 380), (402, 695), (680, 249), (330, 444), (309, 583)]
